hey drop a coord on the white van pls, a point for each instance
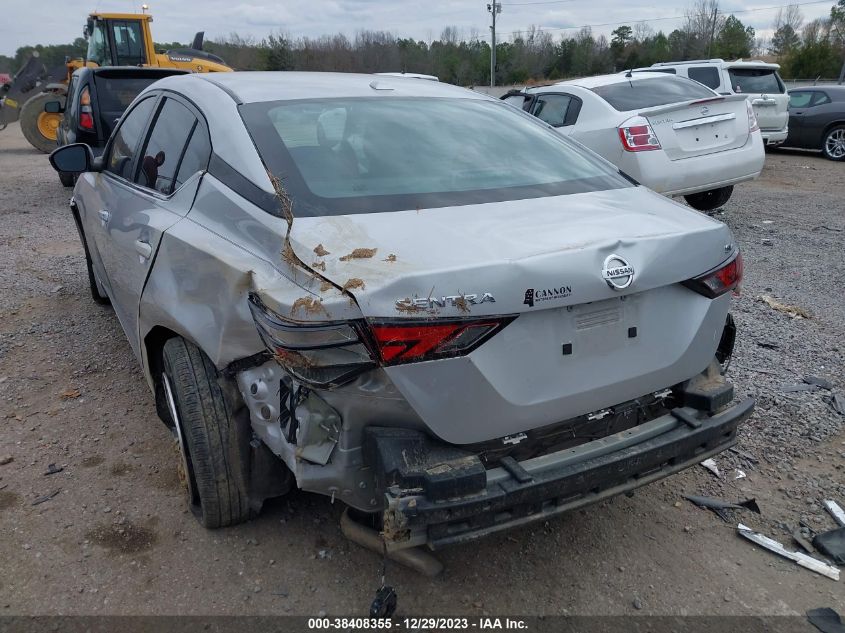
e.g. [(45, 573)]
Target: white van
[(758, 80)]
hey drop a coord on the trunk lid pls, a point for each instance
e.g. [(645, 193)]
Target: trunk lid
[(541, 260), (700, 127)]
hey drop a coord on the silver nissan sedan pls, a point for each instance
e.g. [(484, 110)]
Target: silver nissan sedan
[(406, 296)]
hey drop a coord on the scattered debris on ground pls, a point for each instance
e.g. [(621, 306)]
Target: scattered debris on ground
[(41, 500), (835, 510), (710, 464), (826, 620), (795, 312), (719, 506), (802, 559), (832, 543), (52, 469)]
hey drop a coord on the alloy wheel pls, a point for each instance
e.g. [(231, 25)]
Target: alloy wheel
[(834, 144)]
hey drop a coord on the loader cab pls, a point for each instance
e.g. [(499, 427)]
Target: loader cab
[(119, 40)]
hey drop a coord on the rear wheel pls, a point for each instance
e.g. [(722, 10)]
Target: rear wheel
[(212, 446), (709, 200), (41, 128), (833, 145)]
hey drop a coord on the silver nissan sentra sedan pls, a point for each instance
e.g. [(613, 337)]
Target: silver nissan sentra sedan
[(406, 296)]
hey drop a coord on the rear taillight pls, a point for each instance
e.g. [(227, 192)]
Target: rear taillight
[(324, 355), (753, 125), (86, 114), (334, 353), (402, 342), (717, 282), (637, 135)]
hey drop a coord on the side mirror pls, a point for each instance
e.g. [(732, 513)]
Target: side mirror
[(53, 107), (72, 159)]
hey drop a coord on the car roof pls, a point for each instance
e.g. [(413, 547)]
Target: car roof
[(133, 71), (615, 78), (261, 86), (739, 63), (836, 89)]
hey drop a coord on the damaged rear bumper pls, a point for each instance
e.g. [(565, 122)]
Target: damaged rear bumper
[(517, 493)]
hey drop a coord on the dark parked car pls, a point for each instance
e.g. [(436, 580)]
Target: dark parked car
[(96, 99), (817, 120)]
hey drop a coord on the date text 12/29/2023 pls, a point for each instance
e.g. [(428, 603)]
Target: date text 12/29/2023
[(417, 624)]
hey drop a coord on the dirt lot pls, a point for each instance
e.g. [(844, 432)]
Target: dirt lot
[(116, 538)]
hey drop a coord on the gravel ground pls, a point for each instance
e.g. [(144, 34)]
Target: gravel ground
[(117, 539)]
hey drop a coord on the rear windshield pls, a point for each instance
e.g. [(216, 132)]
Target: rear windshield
[(756, 80), (341, 156), (648, 93), (114, 94)]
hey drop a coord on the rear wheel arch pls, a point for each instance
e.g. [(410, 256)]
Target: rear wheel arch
[(154, 351), (830, 126)]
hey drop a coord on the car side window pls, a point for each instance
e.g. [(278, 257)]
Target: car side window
[(552, 109), (707, 75), (196, 156), (518, 100), (800, 99), (164, 148), (820, 98), (125, 140)]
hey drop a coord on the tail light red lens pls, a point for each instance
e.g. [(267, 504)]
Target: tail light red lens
[(753, 124), (411, 343), (715, 283), (637, 135), (328, 355), (86, 121), (86, 116)]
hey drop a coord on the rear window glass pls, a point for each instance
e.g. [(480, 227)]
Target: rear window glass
[(340, 156), (755, 81), (648, 93), (114, 94)]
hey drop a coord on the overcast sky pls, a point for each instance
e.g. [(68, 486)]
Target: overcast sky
[(59, 21)]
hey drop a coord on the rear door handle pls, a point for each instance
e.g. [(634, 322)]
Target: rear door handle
[(143, 249), (104, 216)]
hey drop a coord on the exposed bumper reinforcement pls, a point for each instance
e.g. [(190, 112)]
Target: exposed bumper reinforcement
[(562, 481)]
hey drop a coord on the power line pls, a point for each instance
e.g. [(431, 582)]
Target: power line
[(525, 4), (674, 17)]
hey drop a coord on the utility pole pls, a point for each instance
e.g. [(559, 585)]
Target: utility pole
[(494, 9)]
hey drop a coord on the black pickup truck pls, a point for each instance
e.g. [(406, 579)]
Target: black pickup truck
[(96, 99)]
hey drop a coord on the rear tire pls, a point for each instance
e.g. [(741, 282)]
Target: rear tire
[(213, 446), (709, 200), (31, 112), (833, 145)]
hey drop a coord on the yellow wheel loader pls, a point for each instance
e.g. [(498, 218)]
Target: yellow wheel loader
[(114, 39)]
